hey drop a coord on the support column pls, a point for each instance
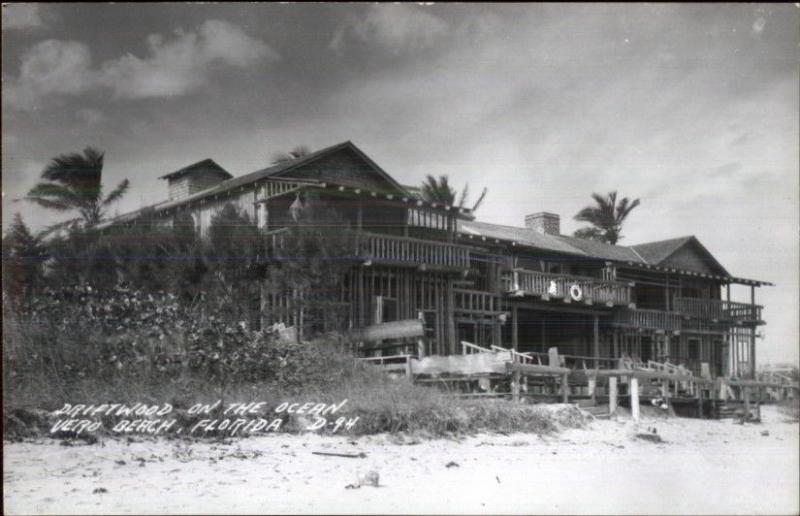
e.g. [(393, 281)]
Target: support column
[(612, 394), (634, 388), (596, 343), (564, 389), (753, 333), (515, 328), (515, 379), (746, 402)]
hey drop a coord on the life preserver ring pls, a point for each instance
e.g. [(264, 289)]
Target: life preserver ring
[(575, 292)]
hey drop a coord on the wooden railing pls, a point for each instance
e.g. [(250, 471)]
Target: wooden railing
[(397, 250), (558, 285), (414, 251), (743, 311), (652, 319), (476, 301), (717, 309), (582, 362)]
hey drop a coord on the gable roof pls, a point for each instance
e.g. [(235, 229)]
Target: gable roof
[(281, 169), (208, 165), (656, 252), (659, 252)]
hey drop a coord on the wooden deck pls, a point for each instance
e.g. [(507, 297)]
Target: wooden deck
[(395, 250), (548, 285), (718, 310), (648, 319)]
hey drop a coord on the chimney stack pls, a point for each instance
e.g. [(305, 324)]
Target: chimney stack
[(544, 222)]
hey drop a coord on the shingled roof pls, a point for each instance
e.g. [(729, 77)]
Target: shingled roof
[(656, 252), (522, 236)]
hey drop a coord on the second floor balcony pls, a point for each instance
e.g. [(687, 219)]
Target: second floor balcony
[(648, 319), (718, 310), (388, 250), (549, 285)]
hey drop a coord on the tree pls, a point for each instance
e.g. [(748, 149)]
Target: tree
[(440, 191), (297, 152), (310, 260), (74, 182), (23, 257), (606, 218)]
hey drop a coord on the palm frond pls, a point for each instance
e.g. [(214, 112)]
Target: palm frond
[(56, 192), (117, 193), (50, 204), (480, 199), (463, 198)]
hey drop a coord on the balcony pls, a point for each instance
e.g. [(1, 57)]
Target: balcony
[(548, 285), (648, 319), (718, 310), (393, 250)]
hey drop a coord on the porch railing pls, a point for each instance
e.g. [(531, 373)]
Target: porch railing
[(414, 251), (558, 285), (717, 309), (396, 250), (649, 319)]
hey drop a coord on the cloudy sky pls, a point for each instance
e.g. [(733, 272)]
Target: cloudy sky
[(692, 108)]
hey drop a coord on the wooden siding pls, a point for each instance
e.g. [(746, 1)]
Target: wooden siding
[(346, 168)]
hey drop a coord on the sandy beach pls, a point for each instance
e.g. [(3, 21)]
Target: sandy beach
[(702, 467)]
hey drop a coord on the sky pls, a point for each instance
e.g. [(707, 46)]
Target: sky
[(691, 108)]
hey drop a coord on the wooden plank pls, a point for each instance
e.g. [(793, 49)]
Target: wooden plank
[(533, 369), (462, 364), (409, 328)]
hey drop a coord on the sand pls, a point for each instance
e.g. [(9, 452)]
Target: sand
[(703, 467)]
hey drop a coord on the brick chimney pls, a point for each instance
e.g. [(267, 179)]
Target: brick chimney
[(544, 222)]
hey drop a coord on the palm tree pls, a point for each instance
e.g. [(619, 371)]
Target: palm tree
[(74, 182), (440, 191), (606, 218), (297, 152)]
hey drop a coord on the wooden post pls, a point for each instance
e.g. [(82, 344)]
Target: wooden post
[(593, 389), (564, 389), (634, 387), (515, 378), (612, 394), (746, 403), (515, 328), (596, 343), (700, 401), (758, 402)]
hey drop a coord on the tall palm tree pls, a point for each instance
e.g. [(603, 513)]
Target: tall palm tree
[(297, 152), (606, 217), (74, 182), (440, 191)]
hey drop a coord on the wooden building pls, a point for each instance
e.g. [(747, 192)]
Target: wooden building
[(526, 288)]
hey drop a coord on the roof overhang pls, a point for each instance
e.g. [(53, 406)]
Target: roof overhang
[(720, 278)]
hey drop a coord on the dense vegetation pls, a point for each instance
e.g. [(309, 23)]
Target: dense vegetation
[(155, 314)]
